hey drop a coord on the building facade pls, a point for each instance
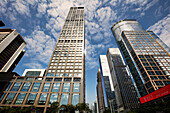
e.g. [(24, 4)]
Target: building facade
[(126, 95), (100, 94), (64, 79), (67, 63), (11, 49), (26, 90), (108, 88), (146, 55)]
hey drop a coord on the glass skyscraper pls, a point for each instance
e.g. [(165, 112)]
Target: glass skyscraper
[(146, 55)]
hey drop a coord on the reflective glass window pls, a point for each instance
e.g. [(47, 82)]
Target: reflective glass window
[(8, 86), (31, 98), (46, 87), (76, 87), (2, 96), (42, 99), (26, 86), (58, 79), (35, 87), (53, 98), (20, 98), (66, 87), (75, 99), (64, 99), (16, 86), (9, 98), (56, 87)]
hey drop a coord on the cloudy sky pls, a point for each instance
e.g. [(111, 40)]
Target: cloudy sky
[(40, 22)]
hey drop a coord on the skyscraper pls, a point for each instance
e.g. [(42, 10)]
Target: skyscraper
[(108, 88), (11, 49), (64, 79), (100, 93), (67, 63), (146, 55), (126, 95)]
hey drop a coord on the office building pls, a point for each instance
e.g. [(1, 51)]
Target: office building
[(94, 107), (100, 94), (26, 90), (67, 63), (108, 89), (64, 79), (146, 55), (126, 95), (11, 49)]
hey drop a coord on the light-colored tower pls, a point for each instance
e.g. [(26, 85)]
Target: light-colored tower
[(146, 55), (67, 63)]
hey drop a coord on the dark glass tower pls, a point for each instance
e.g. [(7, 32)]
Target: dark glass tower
[(146, 55)]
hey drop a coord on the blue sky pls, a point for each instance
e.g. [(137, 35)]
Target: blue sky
[(40, 22)]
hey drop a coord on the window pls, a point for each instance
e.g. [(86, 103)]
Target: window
[(33, 73), (16, 86), (76, 87), (26, 86), (9, 98), (8, 86), (35, 87), (31, 98), (68, 79), (20, 98), (64, 99), (77, 79), (158, 83), (53, 98), (75, 99), (49, 79), (56, 87), (46, 87), (66, 87), (58, 79), (2, 96), (42, 99)]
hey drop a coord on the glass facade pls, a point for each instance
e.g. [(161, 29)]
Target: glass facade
[(31, 98), (75, 99), (35, 87), (53, 98), (64, 99), (42, 99), (9, 98), (33, 73), (76, 87), (46, 87), (56, 87), (16, 86), (8, 86), (66, 87), (26, 86), (20, 98)]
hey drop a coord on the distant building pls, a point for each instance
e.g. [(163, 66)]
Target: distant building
[(11, 49), (108, 88), (126, 95), (146, 55), (94, 107), (100, 94)]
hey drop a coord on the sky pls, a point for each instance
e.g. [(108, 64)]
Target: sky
[(40, 21)]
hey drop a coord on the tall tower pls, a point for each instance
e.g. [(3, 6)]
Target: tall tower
[(146, 55), (67, 63)]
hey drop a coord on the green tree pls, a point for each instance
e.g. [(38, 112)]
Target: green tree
[(53, 108)]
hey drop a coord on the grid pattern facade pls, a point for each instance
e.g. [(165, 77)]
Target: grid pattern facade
[(67, 62), (152, 60)]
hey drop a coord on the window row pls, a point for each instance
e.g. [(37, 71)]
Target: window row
[(42, 100)]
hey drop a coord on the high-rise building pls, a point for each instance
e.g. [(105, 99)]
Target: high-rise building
[(67, 63), (64, 79), (1, 23), (11, 49), (108, 88), (126, 95), (100, 94), (146, 55)]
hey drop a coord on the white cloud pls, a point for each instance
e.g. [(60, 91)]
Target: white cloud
[(161, 28)]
